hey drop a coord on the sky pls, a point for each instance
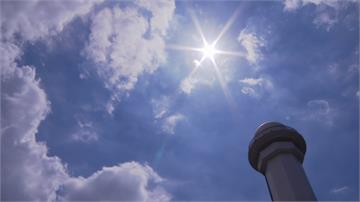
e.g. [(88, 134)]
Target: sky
[(158, 100)]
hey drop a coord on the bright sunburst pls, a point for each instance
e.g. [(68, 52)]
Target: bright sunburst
[(209, 51)]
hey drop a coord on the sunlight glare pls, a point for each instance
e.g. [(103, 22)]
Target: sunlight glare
[(209, 51)]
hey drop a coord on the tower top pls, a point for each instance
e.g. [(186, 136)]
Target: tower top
[(270, 132)]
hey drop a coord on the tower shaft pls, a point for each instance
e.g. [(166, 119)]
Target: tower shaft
[(287, 180)]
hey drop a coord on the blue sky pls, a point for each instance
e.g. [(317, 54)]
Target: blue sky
[(107, 96)]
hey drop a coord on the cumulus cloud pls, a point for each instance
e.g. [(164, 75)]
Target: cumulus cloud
[(9, 53), (170, 123), (162, 12), (27, 171), (31, 20), (125, 43), (252, 44), (128, 181)]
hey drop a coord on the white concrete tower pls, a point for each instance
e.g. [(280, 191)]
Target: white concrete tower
[(277, 151)]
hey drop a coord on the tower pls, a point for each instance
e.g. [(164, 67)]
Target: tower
[(277, 151)]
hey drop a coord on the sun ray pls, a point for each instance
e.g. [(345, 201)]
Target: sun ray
[(197, 26), (209, 51), (223, 85), (228, 24), (197, 66), (185, 48), (201, 60), (231, 53)]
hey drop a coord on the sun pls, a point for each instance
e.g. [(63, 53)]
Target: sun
[(209, 51)]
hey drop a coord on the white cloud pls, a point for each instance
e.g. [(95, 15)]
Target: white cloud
[(255, 87), (341, 72), (189, 83), (124, 44), (162, 11), (36, 19), (125, 182), (290, 5), (199, 77), (318, 110), (163, 114), (251, 81), (249, 91), (160, 107), (252, 45), (327, 11), (9, 53), (319, 106), (27, 172), (85, 132), (326, 19), (170, 123), (85, 135), (261, 81)]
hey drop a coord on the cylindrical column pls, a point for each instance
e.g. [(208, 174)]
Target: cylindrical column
[(277, 151)]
